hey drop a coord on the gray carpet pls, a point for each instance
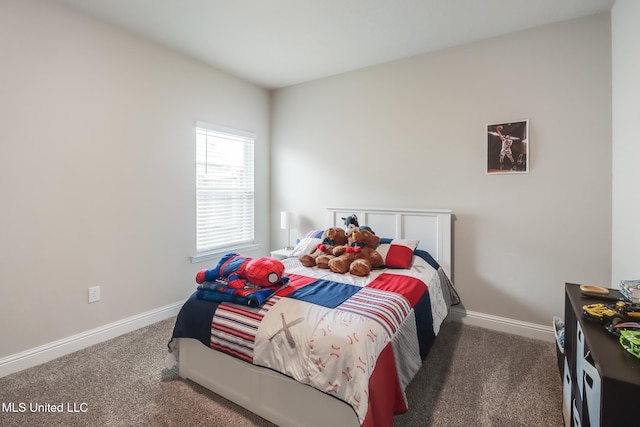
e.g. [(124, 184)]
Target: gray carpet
[(472, 377)]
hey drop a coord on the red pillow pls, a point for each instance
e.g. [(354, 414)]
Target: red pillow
[(398, 253)]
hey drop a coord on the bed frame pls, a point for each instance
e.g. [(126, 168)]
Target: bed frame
[(431, 227), (278, 398)]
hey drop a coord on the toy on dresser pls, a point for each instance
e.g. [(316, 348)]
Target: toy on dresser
[(630, 290)]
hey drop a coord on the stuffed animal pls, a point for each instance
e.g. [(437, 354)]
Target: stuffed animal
[(351, 224), (323, 252), (239, 269), (359, 256)]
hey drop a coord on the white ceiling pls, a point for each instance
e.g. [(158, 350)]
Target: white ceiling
[(278, 43)]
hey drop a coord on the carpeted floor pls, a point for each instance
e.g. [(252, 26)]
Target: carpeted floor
[(472, 377)]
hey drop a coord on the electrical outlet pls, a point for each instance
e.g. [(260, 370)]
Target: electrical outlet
[(94, 294)]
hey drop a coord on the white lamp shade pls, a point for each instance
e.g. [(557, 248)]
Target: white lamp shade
[(286, 220)]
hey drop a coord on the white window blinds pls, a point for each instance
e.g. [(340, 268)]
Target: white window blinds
[(224, 188)]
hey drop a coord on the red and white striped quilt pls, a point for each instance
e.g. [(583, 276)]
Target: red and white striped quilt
[(355, 338)]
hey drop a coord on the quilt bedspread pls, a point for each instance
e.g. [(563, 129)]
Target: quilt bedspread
[(360, 339)]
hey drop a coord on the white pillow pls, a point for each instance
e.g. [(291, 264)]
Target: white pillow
[(305, 246)]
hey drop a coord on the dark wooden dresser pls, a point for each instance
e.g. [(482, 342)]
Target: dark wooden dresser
[(601, 381)]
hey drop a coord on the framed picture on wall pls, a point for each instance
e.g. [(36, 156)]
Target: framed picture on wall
[(508, 147)]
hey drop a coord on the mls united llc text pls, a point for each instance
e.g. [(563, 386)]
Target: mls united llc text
[(21, 407)]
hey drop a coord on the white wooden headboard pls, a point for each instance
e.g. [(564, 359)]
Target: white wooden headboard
[(431, 226)]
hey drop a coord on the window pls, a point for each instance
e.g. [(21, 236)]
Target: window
[(224, 188)]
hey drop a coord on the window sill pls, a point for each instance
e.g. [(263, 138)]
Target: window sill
[(206, 256)]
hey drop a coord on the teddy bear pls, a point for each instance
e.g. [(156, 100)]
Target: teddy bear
[(359, 256), (238, 269), (323, 252)]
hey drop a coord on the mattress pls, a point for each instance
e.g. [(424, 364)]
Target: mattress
[(359, 339)]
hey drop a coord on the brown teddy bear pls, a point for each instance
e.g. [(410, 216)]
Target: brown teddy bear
[(359, 256), (323, 252)]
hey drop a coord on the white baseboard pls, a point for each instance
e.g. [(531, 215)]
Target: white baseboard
[(44, 353), (503, 324), (53, 350)]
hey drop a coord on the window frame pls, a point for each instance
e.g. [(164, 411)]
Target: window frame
[(246, 242)]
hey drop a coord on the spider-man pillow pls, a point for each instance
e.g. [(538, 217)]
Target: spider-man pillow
[(397, 253)]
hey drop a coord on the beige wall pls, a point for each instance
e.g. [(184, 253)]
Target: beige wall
[(97, 153), (411, 134), (626, 145), (96, 144)]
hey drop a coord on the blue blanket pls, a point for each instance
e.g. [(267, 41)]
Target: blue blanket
[(252, 296)]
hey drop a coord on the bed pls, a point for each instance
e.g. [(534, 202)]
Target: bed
[(329, 349)]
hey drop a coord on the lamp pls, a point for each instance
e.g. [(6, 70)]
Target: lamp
[(286, 221)]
